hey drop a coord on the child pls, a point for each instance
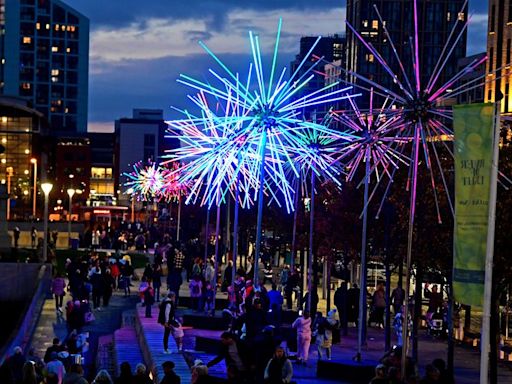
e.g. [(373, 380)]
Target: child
[(195, 287), (177, 333), (209, 295), (149, 299)]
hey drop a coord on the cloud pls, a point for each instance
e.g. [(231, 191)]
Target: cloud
[(477, 31), (155, 38)]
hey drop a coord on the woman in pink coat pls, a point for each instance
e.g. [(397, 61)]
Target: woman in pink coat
[(58, 290), (303, 326)]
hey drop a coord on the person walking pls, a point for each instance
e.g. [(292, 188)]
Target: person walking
[(276, 305), (56, 367), (379, 305), (16, 236), (340, 301), (166, 316), (108, 286), (157, 280), (58, 290), (303, 326), (33, 237)]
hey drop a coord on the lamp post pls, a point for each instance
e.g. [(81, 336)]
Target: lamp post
[(46, 187), (34, 190), (130, 192), (10, 172), (71, 192)]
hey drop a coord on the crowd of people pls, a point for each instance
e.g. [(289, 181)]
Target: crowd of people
[(252, 347)]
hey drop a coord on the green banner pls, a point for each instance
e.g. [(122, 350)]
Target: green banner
[(473, 128)]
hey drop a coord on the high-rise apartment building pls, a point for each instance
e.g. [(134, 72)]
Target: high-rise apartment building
[(329, 49), (499, 53), (436, 19), (44, 48)]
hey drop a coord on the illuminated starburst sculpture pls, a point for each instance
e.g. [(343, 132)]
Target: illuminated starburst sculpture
[(146, 181), (271, 121), (173, 187), (423, 105)]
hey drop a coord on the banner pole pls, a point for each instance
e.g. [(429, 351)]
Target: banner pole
[(489, 254)]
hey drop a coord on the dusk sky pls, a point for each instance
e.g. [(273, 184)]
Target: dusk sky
[(139, 48)]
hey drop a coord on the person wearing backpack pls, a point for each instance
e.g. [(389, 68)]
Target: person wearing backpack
[(166, 316)]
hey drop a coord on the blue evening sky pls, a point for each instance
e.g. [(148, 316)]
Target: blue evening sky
[(139, 48)]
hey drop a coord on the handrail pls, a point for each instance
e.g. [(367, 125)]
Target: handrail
[(24, 330)]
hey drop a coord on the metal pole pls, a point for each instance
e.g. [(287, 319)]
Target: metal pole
[(207, 235), (260, 208), (235, 232), (294, 231), (34, 194), (69, 220), (216, 262), (179, 219), (361, 326), (311, 230), (45, 229), (227, 246), (412, 208), (9, 174), (489, 253)]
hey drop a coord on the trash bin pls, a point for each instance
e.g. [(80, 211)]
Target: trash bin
[(74, 244)]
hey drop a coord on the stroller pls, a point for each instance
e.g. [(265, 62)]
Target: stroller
[(435, 324)]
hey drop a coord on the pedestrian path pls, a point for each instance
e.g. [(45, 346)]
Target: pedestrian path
[(151, 334)]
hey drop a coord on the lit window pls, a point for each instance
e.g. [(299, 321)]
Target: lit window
[(52, 109), (3, 61), (54, 79), (461, 16), (27, 40), (55, 49), (55, 72), (66, 110), (47, 26), (370, 58), (68, 50), (25, 85), (448, 16), (365, 23), (72, 28), (57, 27), (375, 24), (38, 26)]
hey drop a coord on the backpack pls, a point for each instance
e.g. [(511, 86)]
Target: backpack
[(161, 313)]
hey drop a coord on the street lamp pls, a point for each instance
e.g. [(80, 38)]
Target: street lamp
[(34, 195), (10, 173), (71, 192), (130, 192), (46, 187)]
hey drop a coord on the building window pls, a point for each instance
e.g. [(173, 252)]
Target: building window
[(375, 24), (370, 58), (365, 23), (448, 16), (461, 16), (491, 59), (55, 49), (149, 154), (507, 96), (26, 85), (55, 72), (27, 40), (149, 140)]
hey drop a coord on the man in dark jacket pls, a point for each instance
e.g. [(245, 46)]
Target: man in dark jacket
[(233, 352), (165, 316), (340, 301), (170, 377)]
